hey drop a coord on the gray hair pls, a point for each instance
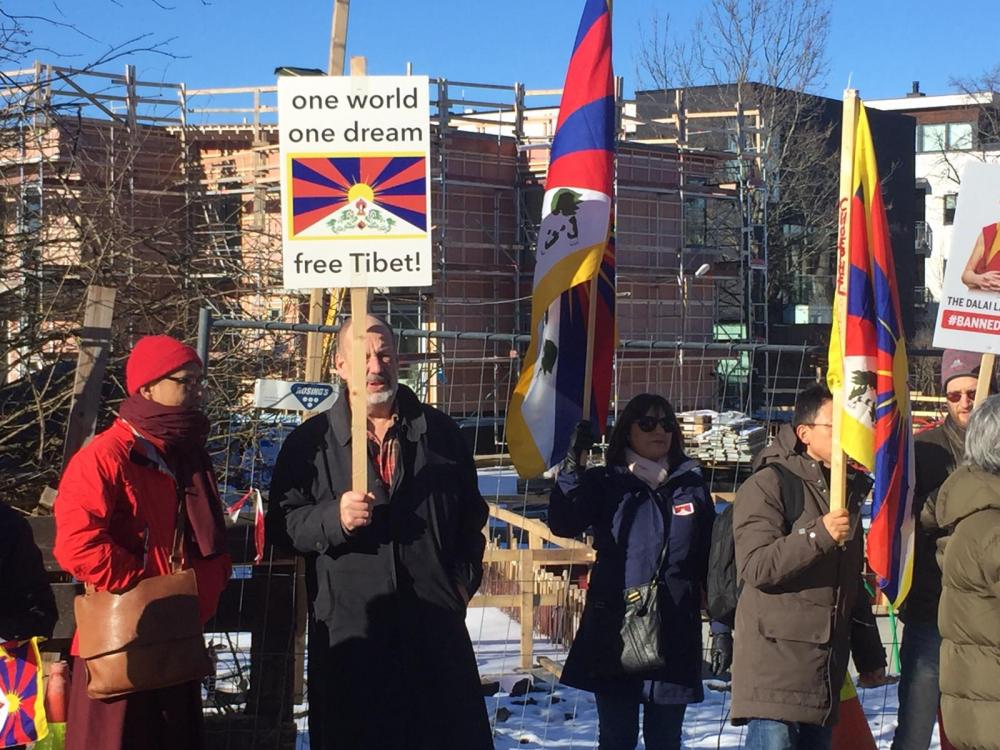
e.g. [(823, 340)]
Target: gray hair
[(982, 437)]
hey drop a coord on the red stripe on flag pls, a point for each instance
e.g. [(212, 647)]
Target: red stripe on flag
[(590, 170), (412, 172), (589, 75), (412, 202), (306, 189), (325, 167), (370, 168)]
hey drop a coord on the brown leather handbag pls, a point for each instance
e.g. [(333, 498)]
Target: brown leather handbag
[(147, 637)]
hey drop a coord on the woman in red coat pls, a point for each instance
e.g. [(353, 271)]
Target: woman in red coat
[(116, 512)]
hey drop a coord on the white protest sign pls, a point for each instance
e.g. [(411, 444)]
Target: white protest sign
[(292, 396), (355, 181), (969, 313)]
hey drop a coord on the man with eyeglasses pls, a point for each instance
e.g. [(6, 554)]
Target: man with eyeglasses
[(938, 453), (801, 609)]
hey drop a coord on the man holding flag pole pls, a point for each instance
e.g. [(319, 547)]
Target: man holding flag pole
[(868, 369), (802, 592)]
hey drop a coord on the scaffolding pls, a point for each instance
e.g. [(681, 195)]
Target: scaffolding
[(216, 153)]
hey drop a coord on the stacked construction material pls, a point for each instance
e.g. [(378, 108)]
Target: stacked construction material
[(728, 437)]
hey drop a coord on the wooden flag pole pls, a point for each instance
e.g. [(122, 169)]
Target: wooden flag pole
[(985, 376), (838, 466), (588, 371), (588, 367)]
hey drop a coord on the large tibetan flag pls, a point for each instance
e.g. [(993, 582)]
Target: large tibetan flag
[(22, 710), (868, 366), (574, 246)]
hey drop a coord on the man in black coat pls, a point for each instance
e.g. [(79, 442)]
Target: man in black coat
[(389, 573), (29, 609)]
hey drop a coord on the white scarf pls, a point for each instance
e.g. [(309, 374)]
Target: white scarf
[(653, 473)]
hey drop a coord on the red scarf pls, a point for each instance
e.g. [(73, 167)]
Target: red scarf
[(179, 435)]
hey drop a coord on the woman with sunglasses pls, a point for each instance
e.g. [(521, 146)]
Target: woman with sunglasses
[(651, 515)]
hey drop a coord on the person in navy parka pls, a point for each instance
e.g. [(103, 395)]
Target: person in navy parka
[(649, 494)]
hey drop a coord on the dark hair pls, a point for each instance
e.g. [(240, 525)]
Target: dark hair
[(809, 401), (638, 407)]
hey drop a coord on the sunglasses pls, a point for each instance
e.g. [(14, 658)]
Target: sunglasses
[(188, 382), (956, 396), (648, 424)]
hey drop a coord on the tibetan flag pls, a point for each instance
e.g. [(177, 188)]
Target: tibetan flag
[(574, 245), (358, 196), (22, 709), (869, 367)]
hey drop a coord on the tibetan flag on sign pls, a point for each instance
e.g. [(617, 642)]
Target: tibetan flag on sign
[(22, 709), (358, 196), (574, 245), (869, 367)]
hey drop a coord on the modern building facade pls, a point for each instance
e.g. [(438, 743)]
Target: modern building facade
[(952, 130)]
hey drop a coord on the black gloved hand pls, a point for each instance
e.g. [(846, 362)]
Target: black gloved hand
[(580, 443), (722, 653)]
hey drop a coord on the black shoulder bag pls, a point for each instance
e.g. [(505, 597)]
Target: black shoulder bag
[(642, 650)]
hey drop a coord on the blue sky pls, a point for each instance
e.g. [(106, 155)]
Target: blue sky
[(239, 42)]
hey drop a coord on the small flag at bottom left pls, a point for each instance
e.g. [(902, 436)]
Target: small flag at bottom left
[(22, 708)]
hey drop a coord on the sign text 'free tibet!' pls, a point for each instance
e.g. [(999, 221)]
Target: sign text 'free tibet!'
[(355, 181)]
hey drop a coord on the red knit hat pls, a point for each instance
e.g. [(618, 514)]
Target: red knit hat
[(153, 357)]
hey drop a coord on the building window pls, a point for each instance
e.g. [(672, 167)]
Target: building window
[(950, 201), (960, 136), (224, 219), (951, 136), (695, 222), (31, 209)]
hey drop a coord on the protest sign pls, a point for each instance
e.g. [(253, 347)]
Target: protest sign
[(969, 313), (355, 181)]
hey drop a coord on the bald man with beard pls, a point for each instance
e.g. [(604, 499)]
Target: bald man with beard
[(389, 573)]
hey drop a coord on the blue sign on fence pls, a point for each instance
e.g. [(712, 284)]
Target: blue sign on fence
[(311, 395), (292, 396)]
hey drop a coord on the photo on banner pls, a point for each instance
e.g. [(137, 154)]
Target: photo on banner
[(969, 313)]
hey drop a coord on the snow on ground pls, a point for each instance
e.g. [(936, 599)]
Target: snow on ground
[(553, 716), (561, 717)]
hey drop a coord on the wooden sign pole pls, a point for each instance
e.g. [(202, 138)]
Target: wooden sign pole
[(314, 364), (838, 466), (985, 376), (335, 67), (359, 371), (359, 389)]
